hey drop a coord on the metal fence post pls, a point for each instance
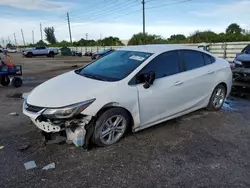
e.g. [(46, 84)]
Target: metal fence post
[(225, 51)]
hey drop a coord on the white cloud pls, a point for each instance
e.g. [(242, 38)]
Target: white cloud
[(42, 5), (236, 9)]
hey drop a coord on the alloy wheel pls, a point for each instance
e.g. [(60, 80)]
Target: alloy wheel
[(113, 129)]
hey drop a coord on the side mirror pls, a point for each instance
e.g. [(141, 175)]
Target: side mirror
[(149, 79)]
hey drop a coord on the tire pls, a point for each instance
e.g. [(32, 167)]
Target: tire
[(51, 54), (17, 82), (217, 99), (5, 80), (105, 125), (29, 54)]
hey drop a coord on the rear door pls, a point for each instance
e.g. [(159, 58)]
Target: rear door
[(40, 51), (43, 51), (198, 79)]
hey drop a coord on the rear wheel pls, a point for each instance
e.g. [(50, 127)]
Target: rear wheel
[(217, 99), (17, 82), (5, 80), (111, 126)]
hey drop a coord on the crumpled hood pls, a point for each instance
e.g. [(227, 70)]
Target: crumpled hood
[(243, 57), (67, 89)]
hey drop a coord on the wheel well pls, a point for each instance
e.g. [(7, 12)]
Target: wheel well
[(224, 84), (51, 52), (115, 105)]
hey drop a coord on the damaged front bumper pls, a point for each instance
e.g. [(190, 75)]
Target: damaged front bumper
[(75, 128), (241, 74)]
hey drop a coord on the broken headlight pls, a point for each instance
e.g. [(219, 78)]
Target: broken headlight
[(68, 111), (237, 62)]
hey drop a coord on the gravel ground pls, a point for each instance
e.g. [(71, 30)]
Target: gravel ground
[(202, 149)]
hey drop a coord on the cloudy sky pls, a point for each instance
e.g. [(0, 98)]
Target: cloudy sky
[(121, 18)]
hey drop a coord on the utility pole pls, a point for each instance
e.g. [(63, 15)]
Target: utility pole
[(69, 28), (143, 15), (3, 41), (15, 39), (41, 30), (33, 37), (86, 42), (23, 38)]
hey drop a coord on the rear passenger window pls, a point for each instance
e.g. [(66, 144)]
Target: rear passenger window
[(192, 59), (163, 65), (208, 59)]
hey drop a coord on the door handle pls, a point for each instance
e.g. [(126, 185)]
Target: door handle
[(178, 83), (210, 72)]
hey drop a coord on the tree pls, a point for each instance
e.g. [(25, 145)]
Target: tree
[(63, 44), (203, 36), (233, 29), (140, 38), (177, 38), (111, 41), (40, 43), (50, 35), (9, 45)]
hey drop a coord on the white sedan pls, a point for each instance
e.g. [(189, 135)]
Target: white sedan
[(133, 88)]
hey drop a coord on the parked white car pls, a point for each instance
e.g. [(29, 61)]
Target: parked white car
[(11, 50), (134, 88)]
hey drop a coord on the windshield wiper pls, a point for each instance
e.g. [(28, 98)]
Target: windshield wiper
[(94, 77)]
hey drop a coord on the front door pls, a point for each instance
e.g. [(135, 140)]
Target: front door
[(162, 98)]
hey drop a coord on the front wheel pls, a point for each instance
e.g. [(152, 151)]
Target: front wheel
[(5, 80), (217, 99), (29, 54), (111, 126), (51, 54)]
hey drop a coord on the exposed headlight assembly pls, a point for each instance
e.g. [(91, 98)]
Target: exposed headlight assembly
[(67, 111), (237, 62)]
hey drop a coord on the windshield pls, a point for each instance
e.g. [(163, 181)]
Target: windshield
[(246, 49), (114, 66)]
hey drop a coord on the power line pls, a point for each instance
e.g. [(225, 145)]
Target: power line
[(132, 12), (168, 4), (117, 17), (94, 8), (104, 15), (113, 9)]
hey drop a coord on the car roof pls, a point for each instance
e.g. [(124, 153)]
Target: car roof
[(158, 48)]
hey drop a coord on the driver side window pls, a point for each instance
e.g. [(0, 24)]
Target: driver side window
[(163, 65)]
